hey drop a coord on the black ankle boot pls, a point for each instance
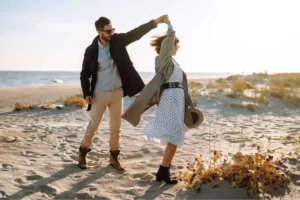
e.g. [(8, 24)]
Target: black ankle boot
[(163, 174)]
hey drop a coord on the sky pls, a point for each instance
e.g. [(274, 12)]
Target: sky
[(233, 36)]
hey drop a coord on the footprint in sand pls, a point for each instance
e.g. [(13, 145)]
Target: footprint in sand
[(134, 191), (48, 190), (29, 130), (75, 146), (67, 128), (62, 146), (180, 167), (93, 189), (79, 119), (10, 139), (58, 154), (70, 141), (26, 163), (74, 157), (30, 172), (233, 140), (144, 176), (98, 155), (32, 136), (145, 150), (47, 131), (7, 167), (294, 161), (135, 156), (42, 137), (19, 181), (96, 140), (93, 160), (7, 126), (34, 177), (70, 151), (30, 154), (103, 151), (30, 139), (66, 159), (85, 195), (71, 136), (293, 130), (76, 178), (105, 132)]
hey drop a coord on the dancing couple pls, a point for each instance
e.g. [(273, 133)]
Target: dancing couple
[(108, 75)]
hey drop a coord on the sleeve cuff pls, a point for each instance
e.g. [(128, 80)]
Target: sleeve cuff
[(170, 27), (154, 23), (170, 31)]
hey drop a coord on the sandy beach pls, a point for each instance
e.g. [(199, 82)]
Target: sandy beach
[(38, 149)]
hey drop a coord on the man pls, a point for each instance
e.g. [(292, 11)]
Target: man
[(107, 76)]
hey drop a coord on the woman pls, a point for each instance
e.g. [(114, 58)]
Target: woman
[(171, 90)]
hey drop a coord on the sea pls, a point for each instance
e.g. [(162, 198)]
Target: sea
[(27, 78)]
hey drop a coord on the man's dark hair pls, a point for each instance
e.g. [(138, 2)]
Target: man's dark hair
[(101, 22)]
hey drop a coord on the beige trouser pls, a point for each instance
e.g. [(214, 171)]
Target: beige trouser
[(101, 100)]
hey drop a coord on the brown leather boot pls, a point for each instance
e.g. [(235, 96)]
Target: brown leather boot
[(114, 161), (81, 157)]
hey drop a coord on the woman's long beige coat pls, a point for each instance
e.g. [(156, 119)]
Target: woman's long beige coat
[(149, 96)]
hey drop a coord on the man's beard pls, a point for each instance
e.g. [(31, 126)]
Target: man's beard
[(107, 39)]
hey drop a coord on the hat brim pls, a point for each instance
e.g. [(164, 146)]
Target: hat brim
[(197, 117)]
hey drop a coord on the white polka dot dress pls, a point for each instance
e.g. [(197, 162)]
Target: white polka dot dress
[(168, 124)]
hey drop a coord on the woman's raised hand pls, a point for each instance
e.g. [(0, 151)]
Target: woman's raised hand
[(167, 21)]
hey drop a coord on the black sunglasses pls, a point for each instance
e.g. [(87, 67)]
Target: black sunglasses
[(108, 31)]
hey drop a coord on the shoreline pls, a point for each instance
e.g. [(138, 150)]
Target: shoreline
[(200, 80), (42, 85), (32, 93)]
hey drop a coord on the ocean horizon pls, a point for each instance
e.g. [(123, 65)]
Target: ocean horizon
[(28, 78)]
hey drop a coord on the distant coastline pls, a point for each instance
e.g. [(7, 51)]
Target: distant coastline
[(30, 78)]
